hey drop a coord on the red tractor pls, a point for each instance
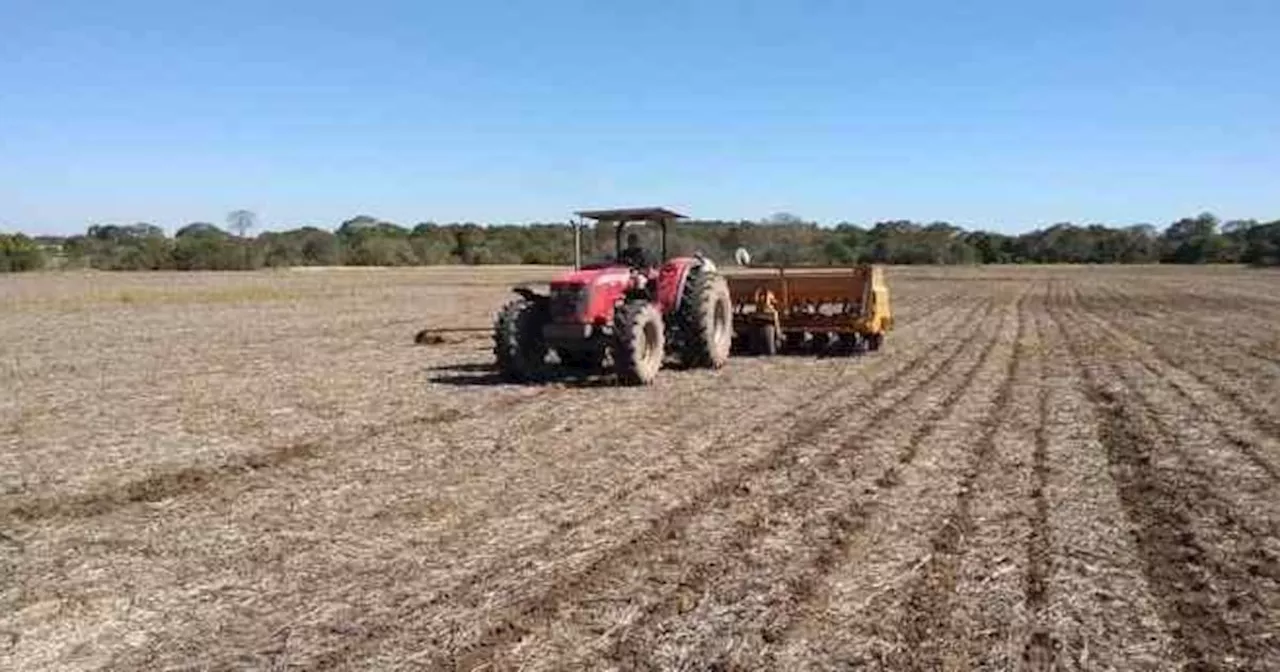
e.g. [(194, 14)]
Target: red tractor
[(628, 309)]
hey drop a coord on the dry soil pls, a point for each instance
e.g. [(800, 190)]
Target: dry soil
[(1043, 468)]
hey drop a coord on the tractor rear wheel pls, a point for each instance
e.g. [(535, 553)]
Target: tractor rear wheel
[(705, 317), (639, 345), (517, 339)]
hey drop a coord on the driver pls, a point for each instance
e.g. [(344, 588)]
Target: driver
[(633, 254)]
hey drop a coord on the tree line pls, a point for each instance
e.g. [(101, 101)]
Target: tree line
[(780, 239)]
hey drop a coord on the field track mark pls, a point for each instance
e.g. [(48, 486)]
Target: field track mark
[(797, 411), (1221, 299), (11, 548), (173, 482), (1040, 651), (1181, 567), (1265, 356), (656, 530), (672, 532), (926, 624), (891, 477), (1205, 496), (1264, 419), (472, 587), (156, 487), (1111, 300), (927, 306), (165, 484), (829, 534), (1250, 449)]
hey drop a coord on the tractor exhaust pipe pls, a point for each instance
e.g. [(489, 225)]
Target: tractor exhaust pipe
[(577, 244)]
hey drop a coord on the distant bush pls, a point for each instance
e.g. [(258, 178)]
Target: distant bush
[(782, 239), (20, 253), (1262, 245)]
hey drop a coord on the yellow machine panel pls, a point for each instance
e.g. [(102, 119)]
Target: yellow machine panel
[(777, 306)]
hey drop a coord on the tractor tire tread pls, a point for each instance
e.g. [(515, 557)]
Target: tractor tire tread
[(696, 319), (629, 324), (517, 341)]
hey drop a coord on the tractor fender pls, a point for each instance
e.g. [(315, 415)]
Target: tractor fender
[(529, 295), (684, 279), (699, 264)]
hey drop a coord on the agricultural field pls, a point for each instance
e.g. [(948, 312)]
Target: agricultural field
[(1043, 468)]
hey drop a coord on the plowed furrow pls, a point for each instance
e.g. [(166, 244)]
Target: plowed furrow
[(907, 454), (835, 488), (925, 623), (398, 603), (1195, 354), (1253, 447), (1171, 309), (1204, 466), (1232, 426), (1046, 468), (923, 308), (801, 413), (1205, 355), (1214, 595), (567, 578), (988, 612), (1190, 298), (1181, 565), (1101, 605), (824, 621), (1255, 479), (1040, 649), (184, 480), (748, 519)]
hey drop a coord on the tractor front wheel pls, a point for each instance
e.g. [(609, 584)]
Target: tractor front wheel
[(517, 340), (639, 345)]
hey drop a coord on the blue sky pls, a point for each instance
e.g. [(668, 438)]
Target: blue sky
[(1001, 115)]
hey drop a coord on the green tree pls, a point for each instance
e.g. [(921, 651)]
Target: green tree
[(1193, 240), (20, 253), (1262, 245)]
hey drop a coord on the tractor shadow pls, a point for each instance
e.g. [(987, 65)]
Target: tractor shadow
[(485, 374), (806, 351), (479, 374)]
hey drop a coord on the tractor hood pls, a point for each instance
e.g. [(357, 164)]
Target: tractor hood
[(610, 273), (592, 276), (587, 295)]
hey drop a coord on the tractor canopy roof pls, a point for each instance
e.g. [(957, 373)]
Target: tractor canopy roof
[(624, 215)]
